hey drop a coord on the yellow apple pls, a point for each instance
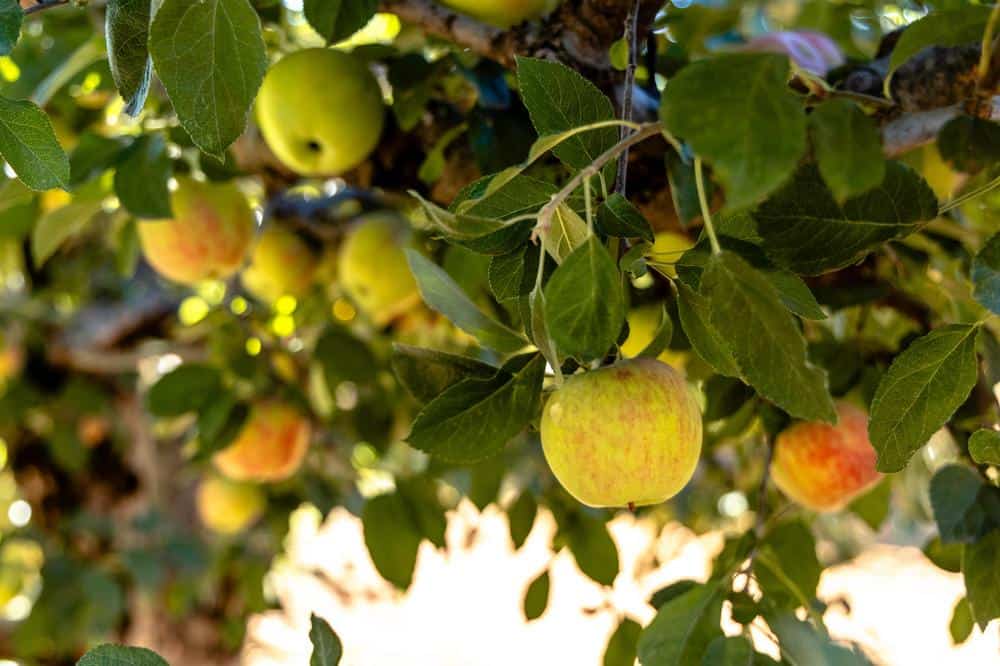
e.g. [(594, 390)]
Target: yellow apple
[(281, 264), (208, 237), (270, 447), (320, 111), (503, 13), (373, 269), (823, 467), (228, 507), (642, 325), (625, 435), (667, 251)]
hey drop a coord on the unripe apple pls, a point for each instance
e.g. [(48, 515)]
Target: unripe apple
[(270, 447), (503, 13), (228, 507), (625, 435), (208, 237), (320, 111), (643, 323), (373, 269), (667, 251), (281, 264), (823, 467)]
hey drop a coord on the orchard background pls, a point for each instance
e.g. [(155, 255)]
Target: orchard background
[(733, 264)]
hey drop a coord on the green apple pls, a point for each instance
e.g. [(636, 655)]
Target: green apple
[(320, 111), (503, 13), (228, 507), (667, 251), (373, 269), (643, 323), (625, 435), (281, 264)]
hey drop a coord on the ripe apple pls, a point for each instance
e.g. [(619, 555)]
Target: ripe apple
[(625, 435), (226, 506), (320, 111), (270, 447), (823, 467), (642, 325), (373, 269), (667, 251), (208, 237), (502, 13), (281, 264)]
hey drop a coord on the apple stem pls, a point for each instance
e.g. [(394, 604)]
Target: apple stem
[(631, 507)]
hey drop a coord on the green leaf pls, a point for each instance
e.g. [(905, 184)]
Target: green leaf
[(29, 144), (220, 421), (474, 418), (536, 598), (873, 506), (969, 144), (512, 276), (848, 148), (212, 85), (661, 337), (683, 628), (392, 536), (789, 570), (705, 339), (336, 20), (984, 447), (622, 645), (426, 373), (567, 232), (344, 358), (738, 114), (442, 294), (802, 644), (981, 568), (143, 176), (93, 155), (806, 230), (618, 217), (961, 625), (420, 495), (986, 275), (11, 16), (954, 492), (126, 27), (184, 389), (560, 99), (584, 307), (59, 225), (120, 655), (946, 556), (734, 651), (769, 346), (593, 549), (665, 595), (921, 390), (327, 648), (953, 27), (521, 516)]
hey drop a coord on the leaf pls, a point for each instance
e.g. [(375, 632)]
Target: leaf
[(536, 598), (666, 594), (921, 390), (29, 144), (986, 275), (946, 556), (512, 276), (474, 418), (984, 447), (769, 347), (521, 515), (126, 28), (622, 645), (93, 155), (806, 230), (426, 373), (120, 655), (683, 628), (392, 537), (733, 651), (567, 232), (661, 337), (143, 176), (848, 148), (56, 227), (954, 491), (344, 358), (584, 307), (705, 339), (560, 99), (11, 17), (953, 27), (738, 114), (220, 421), (184, 389), (961, 625), (336, 20), (789, 570), (327, 648), (211, 59), (802, 644), (441, 293), (969, 144), (618, 217), (420, 495), (593, 549), (981, 568)]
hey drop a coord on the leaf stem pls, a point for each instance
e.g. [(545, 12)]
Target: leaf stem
[(969, 196), (986, 51), (706, 214)]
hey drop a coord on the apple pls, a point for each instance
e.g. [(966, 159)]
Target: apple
[(320, 111), (503, 13), (226, 506), (270, 447), (208, 238), (281, 264), (373, 270), (628, 434), (643, 323), (823, 467), (667, 251)]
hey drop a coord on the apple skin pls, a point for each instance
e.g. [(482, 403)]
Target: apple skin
[(281, 264), (824, 467), (502, 13), (228, 507), (320, 111), (667, 251), (373, 270), (624, 435), (642, 325), (269, 448), (208, 238)]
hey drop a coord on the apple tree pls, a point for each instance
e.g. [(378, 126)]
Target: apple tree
[(733, 264)]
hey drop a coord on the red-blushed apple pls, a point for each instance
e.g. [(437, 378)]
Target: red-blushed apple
[(270, 447)]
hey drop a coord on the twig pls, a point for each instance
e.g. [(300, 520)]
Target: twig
[(631, 41)]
